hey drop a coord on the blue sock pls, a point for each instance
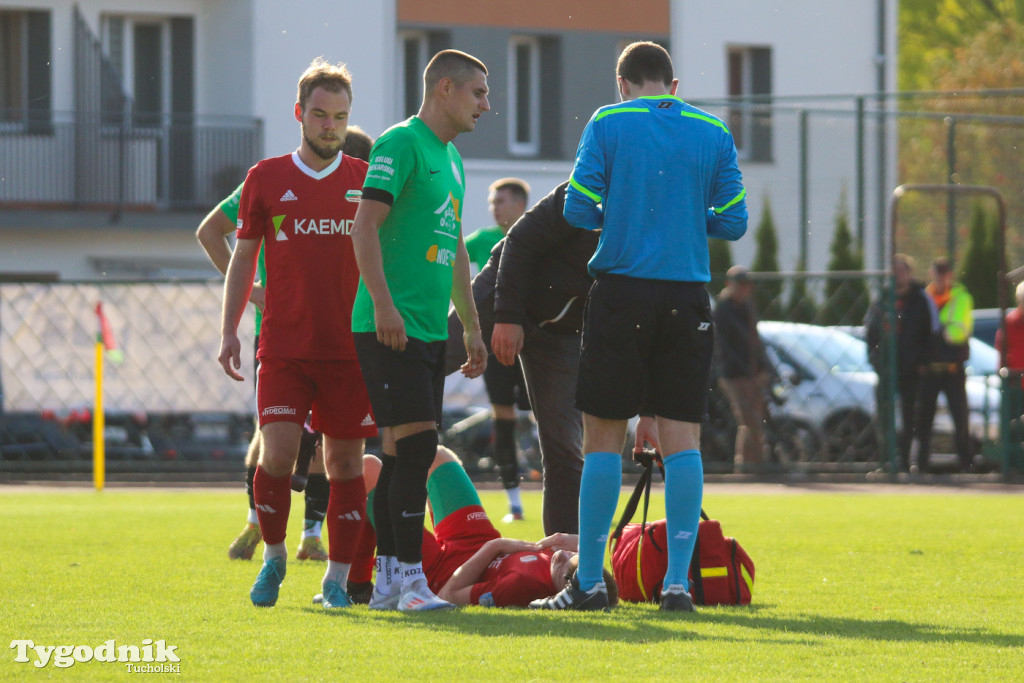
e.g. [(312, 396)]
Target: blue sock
[(684, 489), (599, 494)]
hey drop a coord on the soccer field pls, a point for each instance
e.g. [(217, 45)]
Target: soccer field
[(885, 584)]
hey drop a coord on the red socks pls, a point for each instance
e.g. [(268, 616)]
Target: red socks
[(273, 501), (346, 517)]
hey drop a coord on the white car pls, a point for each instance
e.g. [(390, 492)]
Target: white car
[(832, 388)]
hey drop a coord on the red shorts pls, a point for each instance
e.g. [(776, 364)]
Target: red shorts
[(458, 537), (288, 388)]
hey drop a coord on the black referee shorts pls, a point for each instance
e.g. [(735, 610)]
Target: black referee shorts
[(646, 344)]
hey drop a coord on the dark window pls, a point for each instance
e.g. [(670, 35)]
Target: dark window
[(147, 67), (25, 90), (749, 73)]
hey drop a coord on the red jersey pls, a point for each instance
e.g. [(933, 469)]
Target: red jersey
[(514, 580), (305, 219)]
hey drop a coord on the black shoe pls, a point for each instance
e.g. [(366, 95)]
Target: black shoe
[(360, 592), (675, 599), (572, 597)]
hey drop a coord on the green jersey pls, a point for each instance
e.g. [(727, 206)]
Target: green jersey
[(480, 243), (230, 209), (422, 178)]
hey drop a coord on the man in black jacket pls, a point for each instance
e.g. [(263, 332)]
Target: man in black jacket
[(530, 297), (913, 331), (742, 366)]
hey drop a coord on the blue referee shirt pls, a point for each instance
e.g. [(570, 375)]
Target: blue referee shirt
[(658, 177)]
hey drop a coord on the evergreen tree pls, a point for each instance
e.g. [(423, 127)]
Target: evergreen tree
[(802, 306), (846, 301), (979, 271), (767, 294), (720, 253)]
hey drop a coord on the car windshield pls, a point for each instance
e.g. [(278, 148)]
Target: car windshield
[(984, 359), (819, 349)]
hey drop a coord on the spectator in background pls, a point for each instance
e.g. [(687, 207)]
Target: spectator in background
[(742, 365), (948, 350), (913, 329), (506, 388), (1010, 338)]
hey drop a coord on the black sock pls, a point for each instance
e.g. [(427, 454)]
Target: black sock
[(408, 492), (318, 492), (250, 472), (505, 452), (381, 510)]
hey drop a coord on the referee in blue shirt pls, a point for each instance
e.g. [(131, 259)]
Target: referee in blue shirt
[(658, 177)]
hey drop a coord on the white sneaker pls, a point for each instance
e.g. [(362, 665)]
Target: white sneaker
[(419, 598), (385, 601)]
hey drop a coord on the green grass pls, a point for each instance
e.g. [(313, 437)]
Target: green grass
[(849, 587)]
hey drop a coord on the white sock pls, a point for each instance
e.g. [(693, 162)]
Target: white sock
[(515, 500), (337, 571), (253, 518), (411, 573), (385, 582), (311, 528), (271, 550)]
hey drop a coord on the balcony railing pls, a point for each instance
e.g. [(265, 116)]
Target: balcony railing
[(164, 162)]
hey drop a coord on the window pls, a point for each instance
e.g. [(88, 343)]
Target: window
[(524, 96), (412, 60), (153, 59), (750, 119), (25, 69)]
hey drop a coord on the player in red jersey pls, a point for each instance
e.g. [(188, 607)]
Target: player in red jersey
[(467, 562), (302, 206)]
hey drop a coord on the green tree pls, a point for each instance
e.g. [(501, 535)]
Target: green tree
[(720, 253), (979, 272), (846, 300), (930, 31), (802, 306), (767, 294)]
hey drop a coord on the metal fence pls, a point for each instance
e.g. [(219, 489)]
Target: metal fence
[(171, 162), (169, 407)]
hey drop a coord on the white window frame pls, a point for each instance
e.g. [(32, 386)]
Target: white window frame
[(421, 39), (529, 147)]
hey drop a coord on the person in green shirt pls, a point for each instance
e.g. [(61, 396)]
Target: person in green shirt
[(506, 388), (412, 259)]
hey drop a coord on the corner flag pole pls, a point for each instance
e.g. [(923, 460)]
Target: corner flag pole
[(98, 426), (104, 343)]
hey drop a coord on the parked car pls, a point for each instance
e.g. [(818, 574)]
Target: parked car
[(832, 388)]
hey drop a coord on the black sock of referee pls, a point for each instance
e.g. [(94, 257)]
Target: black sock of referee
[(409, 493), (505, 452), (381, 509)]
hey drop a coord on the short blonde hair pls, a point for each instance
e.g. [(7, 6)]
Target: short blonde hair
[(322, 74)]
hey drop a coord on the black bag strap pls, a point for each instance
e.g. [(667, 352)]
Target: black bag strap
[(642, 488)]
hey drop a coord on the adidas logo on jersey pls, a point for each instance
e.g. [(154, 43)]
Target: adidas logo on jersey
[(367, 421), (289, 196), (351, 516)]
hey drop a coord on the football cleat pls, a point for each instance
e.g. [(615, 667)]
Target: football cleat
[(335, 597), (310, 548), (268, 582), (244, 546), (419, 598), (360, 592), (514, 515), (572, 597), (676, 599)]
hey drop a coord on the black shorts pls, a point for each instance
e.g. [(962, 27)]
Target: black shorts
[(646, 344), (505, 384), (404, 386)]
